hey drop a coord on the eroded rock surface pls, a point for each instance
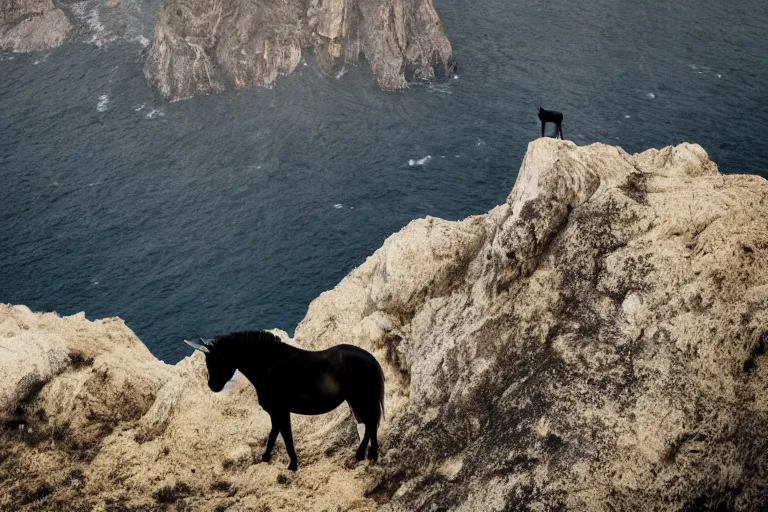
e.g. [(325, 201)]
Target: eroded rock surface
[(203, 46), (36, 25), (597, 342), (32, 25)]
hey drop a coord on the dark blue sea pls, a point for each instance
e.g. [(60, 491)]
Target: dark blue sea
[(234, 211)]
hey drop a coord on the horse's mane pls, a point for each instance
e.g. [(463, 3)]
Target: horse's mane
[(244, 337)]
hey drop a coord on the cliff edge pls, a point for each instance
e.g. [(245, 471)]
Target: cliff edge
[(597, 342), (204, 46)]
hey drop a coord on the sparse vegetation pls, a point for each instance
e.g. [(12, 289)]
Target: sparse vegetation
[(35, 494), (221, 485), (172, 493), (79, 360)]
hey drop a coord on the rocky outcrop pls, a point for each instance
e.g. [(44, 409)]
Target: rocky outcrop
[(32, 25), (597, 342), (36, 25), (203, 46)]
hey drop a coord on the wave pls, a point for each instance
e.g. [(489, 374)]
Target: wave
[(420, 161), (101, 106)]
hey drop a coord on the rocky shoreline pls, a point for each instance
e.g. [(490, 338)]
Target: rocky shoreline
[(39, 25), (597, 342), (206, 46)]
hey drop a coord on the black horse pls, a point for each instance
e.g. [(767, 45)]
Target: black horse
[(550, 116), (289, 379)]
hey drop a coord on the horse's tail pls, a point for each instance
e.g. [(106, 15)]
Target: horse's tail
[(381, 390)]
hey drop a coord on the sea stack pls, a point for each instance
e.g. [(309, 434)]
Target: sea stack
[(204, 46), (32, 25), (596, 342)]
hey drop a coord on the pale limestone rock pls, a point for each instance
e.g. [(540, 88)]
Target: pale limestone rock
[(595, 343), (200, 46), (603, 350), (32, 25), (203, 46), (36, 25)]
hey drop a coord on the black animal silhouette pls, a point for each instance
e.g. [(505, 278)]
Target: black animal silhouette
[(288, 379), (550, 116)]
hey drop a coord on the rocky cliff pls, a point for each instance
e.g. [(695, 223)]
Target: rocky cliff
[(597, 342), (203, 46)]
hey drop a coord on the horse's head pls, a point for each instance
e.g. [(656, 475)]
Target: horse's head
[(220, 370)]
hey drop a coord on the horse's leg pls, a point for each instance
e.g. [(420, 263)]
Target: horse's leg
[(360, 418), (543, 123), (267, 456), (360, 453), (560, 130), (285, 430), (372, 427)]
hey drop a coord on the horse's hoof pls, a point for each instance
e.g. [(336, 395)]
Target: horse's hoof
[(373, 456), (266, 458), (360, 456), (293, 466)]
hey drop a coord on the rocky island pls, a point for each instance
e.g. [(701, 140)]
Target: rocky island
[(32, 25), (597, 342), (204, 46)]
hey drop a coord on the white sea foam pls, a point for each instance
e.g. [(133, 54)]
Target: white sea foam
[(440, 89), (338, 206), (651, 95), (138, 108), (627, 116), (143, 41), (420, 161), (155, 112), (705, 69), (94, 23), (101, 106), (99, 33)]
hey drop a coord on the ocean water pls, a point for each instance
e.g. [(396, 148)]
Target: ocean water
[(234, 211)]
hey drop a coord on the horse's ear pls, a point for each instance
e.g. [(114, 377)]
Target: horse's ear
[(202, 348)]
